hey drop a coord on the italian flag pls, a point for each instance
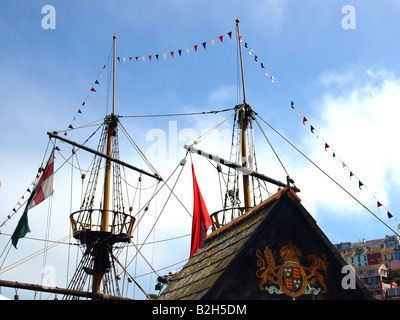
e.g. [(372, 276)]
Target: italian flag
[(43, 190)]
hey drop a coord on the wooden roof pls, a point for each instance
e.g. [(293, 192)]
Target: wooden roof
[(235, 260)]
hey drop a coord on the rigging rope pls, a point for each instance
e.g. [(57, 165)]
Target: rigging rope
[(327, 175), (177, 114)]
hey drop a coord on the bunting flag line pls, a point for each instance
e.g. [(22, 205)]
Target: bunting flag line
[(220, 39), (33, 184), (361, 186)]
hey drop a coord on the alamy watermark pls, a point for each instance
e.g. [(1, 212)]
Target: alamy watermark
[(349, 278), (48, 276), (349, 20), (49, 20)]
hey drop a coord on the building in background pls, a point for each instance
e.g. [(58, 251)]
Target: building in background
[(373, 260)]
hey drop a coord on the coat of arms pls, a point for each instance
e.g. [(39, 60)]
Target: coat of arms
[(291, 277)]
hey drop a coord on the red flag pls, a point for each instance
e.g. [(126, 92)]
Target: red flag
[(195, 48), (379, 204), (221, 38), (172, 54), (326, 146), (304, 120), (93, 89), (201, 218)]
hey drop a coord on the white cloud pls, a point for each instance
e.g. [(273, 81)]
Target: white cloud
[(358, 117)]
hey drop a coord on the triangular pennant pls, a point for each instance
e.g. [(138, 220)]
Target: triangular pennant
[(96, 82), (93, 89), (389, 215), (255, 58), (157, 56), (292, 104), (118, 59), (124, 59), (130, 58), (143, 58), (150, 58), (212, 42), (172, 54), (304, 120), (100, 74), (180, 52), (273, 79), (204, 44), (326, 146), (79, 111), (201, 219), (74, 119), (230, 34), (164, 55), (262, 66), (187, 49), (351, 174), (221, 38), (195, 48), (312, 129), (379, 204)]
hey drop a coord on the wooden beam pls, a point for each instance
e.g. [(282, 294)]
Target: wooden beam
[(57, 290)]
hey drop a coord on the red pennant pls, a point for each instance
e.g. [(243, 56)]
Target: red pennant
[(104, 66), (221, 38), (351, 174), (304, 120), (130, 58), (79, 111), (93, 89), (150, 58), (201, 218), (195, 48), (379, 204), (65, 133), (255, 58), (326, 146), (172, 54)]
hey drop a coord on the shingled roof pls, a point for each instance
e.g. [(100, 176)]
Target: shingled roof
[(243, 259)]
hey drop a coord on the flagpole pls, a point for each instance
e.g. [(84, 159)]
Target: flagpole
[(244, 120)]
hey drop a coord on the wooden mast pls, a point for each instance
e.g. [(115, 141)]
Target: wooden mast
[(107, 179), (243, 122), (97, 276)]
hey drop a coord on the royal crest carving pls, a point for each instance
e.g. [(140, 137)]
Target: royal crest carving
[(291, 278)]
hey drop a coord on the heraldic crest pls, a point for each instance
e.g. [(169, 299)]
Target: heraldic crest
[(291, 278)]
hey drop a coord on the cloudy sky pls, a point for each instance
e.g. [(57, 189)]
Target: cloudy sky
[(338, 64)]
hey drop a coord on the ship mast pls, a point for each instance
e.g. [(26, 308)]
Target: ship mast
[(243, 122), (111, 123)]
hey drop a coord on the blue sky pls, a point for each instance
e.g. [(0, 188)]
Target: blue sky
[(346, 83)]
